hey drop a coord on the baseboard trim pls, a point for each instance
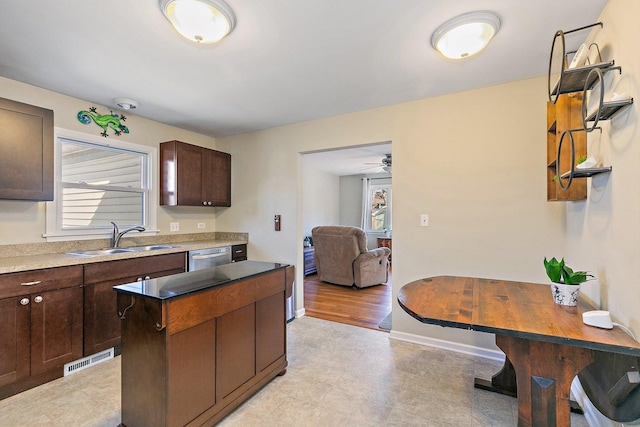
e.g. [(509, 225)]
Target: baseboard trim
[(300, 313), (448, 345)]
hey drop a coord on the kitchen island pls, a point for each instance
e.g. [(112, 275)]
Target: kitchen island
[(196, 345)]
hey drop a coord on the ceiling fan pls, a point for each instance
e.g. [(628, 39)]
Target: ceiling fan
[(385, 163)]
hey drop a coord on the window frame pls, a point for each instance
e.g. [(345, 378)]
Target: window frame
[(55, 232), (367, 214)]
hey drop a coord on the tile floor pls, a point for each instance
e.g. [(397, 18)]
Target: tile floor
[(338, 375)]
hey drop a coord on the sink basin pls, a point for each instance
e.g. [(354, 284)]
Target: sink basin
[(99, 252), (152, 247), (113, 251)]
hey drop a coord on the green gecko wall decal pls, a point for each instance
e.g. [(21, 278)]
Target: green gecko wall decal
[(105, 121)]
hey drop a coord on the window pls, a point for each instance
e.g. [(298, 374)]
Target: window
[(377, 212), (97, 182)]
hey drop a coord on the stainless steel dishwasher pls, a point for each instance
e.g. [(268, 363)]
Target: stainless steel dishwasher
[(210, 257)]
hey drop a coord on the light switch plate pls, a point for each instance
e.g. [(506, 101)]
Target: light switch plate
[(174, 226), (424, 220)]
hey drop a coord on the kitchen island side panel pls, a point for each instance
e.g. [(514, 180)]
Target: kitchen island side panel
[(144, 369)]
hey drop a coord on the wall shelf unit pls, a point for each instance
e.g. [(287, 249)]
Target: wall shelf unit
[(571, 88)]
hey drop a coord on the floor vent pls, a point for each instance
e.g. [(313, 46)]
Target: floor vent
[(94, 359)]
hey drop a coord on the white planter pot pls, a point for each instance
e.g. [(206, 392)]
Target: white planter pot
[(565, 294)]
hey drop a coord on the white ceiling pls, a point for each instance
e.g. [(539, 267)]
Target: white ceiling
[(287, 61), (361, 160)]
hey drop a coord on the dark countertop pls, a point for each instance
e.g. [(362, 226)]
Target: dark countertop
[(176, 285)]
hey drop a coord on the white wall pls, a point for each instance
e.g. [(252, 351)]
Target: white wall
[(320, 199), (351, 200), (603, 232), (474, 161), (24, 221)]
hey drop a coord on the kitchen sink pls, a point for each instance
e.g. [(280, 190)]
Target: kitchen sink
[(99, 252), (114, 251)]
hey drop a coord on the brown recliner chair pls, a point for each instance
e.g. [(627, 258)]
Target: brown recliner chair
[(342, 258)]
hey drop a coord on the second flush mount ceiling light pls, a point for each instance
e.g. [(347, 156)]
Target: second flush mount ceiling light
[(465, 35), (201, 21)]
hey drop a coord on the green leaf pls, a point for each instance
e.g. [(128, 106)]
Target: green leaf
[(559, 272), (554, 269)]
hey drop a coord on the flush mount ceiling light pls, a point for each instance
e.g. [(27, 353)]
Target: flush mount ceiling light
[(465, 35), (201, 21), (126, 104)]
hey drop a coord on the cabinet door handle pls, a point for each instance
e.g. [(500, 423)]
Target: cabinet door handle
[(37, 299), (37, 282), (24, 301), (208, 256)]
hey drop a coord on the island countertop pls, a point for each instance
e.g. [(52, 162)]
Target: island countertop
[(176, 285)]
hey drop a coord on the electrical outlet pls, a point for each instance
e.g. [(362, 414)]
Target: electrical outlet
[(424, 220), (174, 226), (201, 225)]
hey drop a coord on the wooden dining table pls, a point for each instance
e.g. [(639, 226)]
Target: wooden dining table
[(546, 344)]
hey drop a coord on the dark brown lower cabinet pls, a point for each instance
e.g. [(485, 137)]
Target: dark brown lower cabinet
[(41, 318), (190, 360), (101, 321)]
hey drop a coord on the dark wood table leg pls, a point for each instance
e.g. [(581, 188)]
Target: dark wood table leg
[(545, 372), (503, 382)]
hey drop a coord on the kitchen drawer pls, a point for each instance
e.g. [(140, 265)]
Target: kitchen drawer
[(48, 279), (124, 268)]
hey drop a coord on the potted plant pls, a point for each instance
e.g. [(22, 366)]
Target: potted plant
[(566, 282)]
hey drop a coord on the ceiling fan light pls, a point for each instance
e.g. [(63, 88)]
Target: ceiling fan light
[(201, 21), (465, 35)]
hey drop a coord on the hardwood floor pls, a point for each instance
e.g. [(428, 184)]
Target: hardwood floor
[(365, 307)]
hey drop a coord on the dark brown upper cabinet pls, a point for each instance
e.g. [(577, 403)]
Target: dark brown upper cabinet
[(194, 176), (26, 151)]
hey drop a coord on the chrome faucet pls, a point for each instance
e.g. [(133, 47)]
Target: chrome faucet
[(117, 235)]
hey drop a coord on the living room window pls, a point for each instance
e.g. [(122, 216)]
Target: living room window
[(377, 206), (99, 181)]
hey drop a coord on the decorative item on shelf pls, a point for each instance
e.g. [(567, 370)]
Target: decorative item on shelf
[(306, 243), (566, 282), (105, 121)]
